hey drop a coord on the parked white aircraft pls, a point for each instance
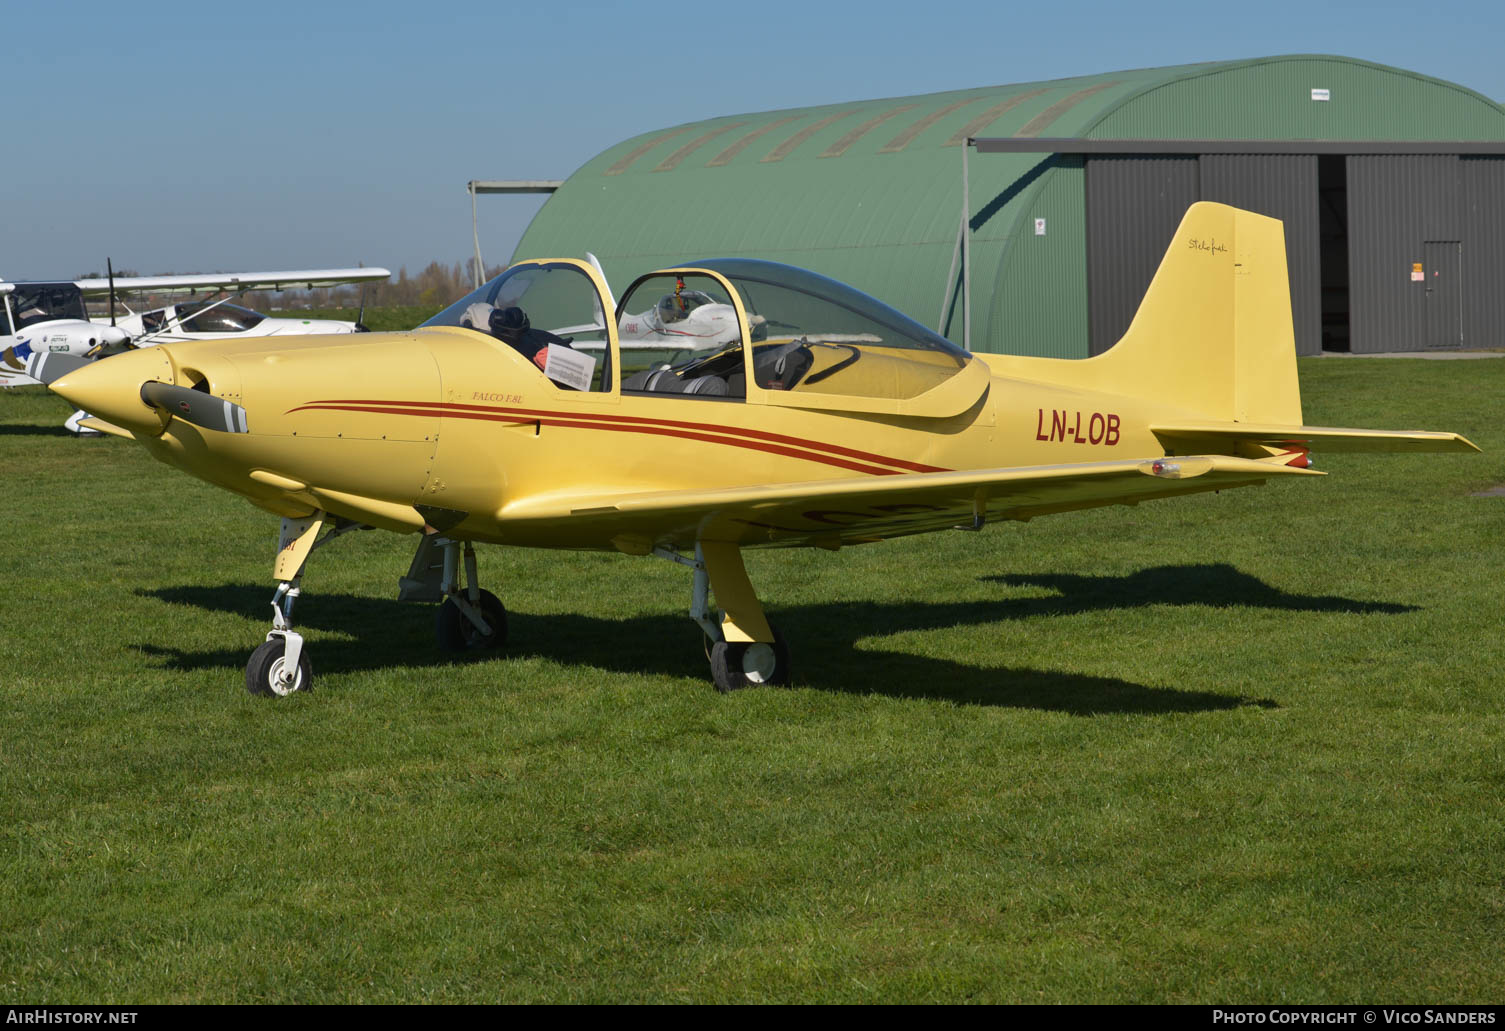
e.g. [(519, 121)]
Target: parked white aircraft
[(49, 318), (216, 320)]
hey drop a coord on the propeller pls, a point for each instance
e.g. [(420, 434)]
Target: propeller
[(110, 269), (202, 409), (360, 316), (48, 367)]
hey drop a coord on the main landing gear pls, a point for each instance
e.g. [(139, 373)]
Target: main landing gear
[(745, 651), (469, 618)]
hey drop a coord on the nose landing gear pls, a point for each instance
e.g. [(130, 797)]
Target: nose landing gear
[(280, 667)]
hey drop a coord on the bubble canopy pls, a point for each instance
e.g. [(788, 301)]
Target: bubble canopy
[(795, 293), (678, 332)]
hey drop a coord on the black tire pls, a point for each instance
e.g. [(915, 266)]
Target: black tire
[(266, 663), (739, 665), (455, 633)]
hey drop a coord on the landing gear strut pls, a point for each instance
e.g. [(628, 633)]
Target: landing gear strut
[(280, 666), (745, 650), (471, 619)]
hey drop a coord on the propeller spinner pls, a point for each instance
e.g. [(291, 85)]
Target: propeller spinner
[(134, 390)]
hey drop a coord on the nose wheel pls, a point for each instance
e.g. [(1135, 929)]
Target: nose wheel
[(272, 672), (280, 667)]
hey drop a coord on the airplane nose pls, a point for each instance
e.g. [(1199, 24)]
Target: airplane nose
[(111, 388)]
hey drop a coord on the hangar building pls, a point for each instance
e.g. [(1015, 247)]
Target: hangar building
[(1391, 185)]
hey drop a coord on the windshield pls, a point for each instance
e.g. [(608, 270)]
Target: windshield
[(221, 318), (43, 302), (550, 313), (557, 297)]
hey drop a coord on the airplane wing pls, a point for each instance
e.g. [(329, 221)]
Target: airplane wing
[(1208, 436), (304, 278), (830, 513)]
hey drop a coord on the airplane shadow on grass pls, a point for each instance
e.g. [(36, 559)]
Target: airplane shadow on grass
[(1217, 585), (21, 429), (823, 639)]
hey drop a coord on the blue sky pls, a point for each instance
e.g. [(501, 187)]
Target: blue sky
[(179, 137)]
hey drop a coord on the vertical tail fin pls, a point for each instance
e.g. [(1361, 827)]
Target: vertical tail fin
[(1213, 336), (1212, 343)]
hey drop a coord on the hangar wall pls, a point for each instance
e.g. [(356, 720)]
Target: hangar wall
[(869, 192), (1283, 186), (1039, 287), (1133, 206), (1135, 203), (1484, 218), (1404, 210)]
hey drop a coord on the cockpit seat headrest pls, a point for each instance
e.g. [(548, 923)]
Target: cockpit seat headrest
[(477, 316), (509, 323), (665, 381)]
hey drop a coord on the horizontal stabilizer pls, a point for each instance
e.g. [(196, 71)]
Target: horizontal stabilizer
[(1205, 437)]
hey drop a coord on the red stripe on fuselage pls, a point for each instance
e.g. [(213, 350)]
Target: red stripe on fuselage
[(758, 440)]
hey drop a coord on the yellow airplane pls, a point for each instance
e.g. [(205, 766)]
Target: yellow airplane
[(745, 404)]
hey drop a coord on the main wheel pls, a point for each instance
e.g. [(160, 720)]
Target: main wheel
[(458, 634), (264, 671), (738, 665)]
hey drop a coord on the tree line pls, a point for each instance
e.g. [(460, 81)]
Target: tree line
[(436, 286)]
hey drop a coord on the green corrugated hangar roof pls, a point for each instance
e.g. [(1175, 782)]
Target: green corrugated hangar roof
[(869, 192)]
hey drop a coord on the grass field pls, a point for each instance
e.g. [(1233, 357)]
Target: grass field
[(1240, 747)]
